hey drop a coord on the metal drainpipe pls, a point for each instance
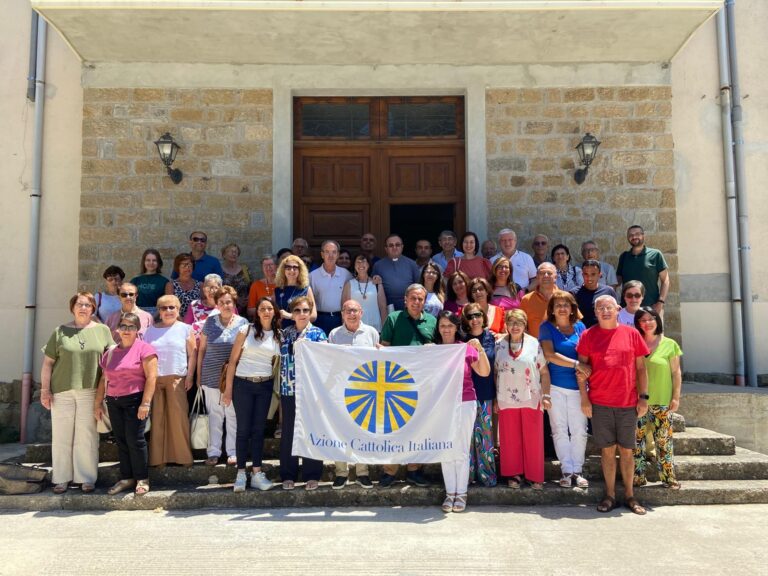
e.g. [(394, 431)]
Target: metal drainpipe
[(750, 358), (34, 229), (737, 326), (32, 58)]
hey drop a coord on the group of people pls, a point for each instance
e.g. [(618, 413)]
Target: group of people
[(542, 336)]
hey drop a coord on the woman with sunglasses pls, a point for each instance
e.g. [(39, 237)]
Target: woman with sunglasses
[(632, 294), (185, 288), (292, 281), (366, 291), (479, 293), (250, 386), (129, 373), (506, 294), (456, 473), (68, 381), (128, 293), (457, 292), (664, 387), (482, 460), (522, 392), (176, 349), (214, 348), (199, 310), (471, 263), (559, 336), (432, 280), (151, 282), (302, 328)]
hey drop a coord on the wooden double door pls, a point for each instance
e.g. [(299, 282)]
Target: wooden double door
[(361, 162)]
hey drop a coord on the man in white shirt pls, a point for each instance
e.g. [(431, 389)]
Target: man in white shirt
[(523, 268), (327, 282), (353, 333)]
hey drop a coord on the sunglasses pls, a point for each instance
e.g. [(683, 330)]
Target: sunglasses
[(166, 308), (291, 267), (127, 327), (199, 239), (127, 294), (633, 295), (302, 310), (83, 305), (478, 289), (474, 315)]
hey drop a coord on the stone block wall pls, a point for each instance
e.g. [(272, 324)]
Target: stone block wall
[(127, 201), (531, 135)]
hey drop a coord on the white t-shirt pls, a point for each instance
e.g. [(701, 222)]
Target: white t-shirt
[(256, 357), (171, 346)]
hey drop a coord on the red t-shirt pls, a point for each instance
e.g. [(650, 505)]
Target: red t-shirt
[(612, 354)]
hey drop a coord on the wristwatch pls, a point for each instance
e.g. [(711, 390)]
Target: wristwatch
[(643, 396)]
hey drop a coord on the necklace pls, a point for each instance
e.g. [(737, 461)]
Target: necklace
[(79, 340), (567, 331), (363, 291), (518, 348)]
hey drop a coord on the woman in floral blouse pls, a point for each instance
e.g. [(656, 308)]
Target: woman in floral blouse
[(522, 392)]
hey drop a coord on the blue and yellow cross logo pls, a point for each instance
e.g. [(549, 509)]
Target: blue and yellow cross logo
[(381, 396)]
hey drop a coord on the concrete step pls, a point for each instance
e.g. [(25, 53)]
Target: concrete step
[(687, 442), (221, 497), (743, 465)]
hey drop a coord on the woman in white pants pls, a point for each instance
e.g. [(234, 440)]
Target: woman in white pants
[(456, 473), (68, 380), (216, 340), (558, 336)]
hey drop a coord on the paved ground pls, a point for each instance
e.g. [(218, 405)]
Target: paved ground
[(488, 540)]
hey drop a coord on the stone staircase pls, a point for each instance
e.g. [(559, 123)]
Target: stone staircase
[(712, 469)]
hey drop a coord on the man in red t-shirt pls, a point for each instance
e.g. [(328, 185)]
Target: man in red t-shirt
[(617, 395)]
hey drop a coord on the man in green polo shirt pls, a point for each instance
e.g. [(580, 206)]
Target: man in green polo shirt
[(646, 265), (409, 327)]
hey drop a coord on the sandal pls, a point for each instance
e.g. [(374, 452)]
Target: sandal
[(87, 488), (460, 503), (514, 482), (635, 506), (538, 486), (448, 503), (674, 485), (212, 461), (142, 487), (311, 485), (120, 486), (606, 504), (566, 481), (580, 481), (60, 488), (232, 461), (288, 484)]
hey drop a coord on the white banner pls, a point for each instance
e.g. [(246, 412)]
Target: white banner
[(395, 405)]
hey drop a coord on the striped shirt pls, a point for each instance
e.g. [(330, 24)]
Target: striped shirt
[(218, 346)]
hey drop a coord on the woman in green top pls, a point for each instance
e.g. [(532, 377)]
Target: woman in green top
[(664, 384), (151, 283), (68, 380)]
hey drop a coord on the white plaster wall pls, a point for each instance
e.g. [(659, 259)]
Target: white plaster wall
[(60, 185), (701, 218)]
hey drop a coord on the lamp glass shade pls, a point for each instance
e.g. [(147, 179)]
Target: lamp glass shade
[(587, 149), (167, 148)]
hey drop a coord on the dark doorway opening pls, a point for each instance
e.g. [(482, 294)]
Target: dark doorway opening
[(421, 221)]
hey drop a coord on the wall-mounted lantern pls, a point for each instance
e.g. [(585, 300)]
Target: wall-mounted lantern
[(587, 150), (167, 148)]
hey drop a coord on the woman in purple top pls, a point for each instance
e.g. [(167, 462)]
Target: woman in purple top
[(456, 473), (506, 294), (457, 292), (129, 372)]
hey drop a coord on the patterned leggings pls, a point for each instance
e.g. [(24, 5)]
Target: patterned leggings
[(658, 420), (482, 463)]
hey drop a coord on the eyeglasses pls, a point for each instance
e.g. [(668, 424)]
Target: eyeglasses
[(352, 311), (211, 287), (166, 308), (127, 294), (83, 305), (113, 279), (398, 245), (199, 239), (633, 295), (266, 310), (516, 324), (474, 316), (605, 308), (502, 267), (302, 310), (647, 320), (540, 243), (290, 267), (562, 305), (127, 327), (478, 289)]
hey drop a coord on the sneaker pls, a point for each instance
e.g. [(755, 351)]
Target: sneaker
[(386, 480), (417, 478), (364, 481), (240, 481), (566, 481), (580, 481), (339, 482), (259, 481)]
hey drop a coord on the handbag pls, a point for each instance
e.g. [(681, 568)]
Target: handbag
[(104, 426), (198, 423)]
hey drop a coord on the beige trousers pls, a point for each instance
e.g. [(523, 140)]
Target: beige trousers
[(342, 469), (169, 438), (75, 442)]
